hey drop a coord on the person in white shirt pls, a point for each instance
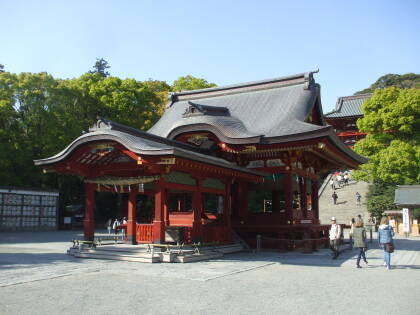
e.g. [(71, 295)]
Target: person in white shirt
[(335, 233), (124, 222), (115, 225), (332, 184)]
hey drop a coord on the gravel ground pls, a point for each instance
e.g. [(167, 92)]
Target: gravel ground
[(37, 277)]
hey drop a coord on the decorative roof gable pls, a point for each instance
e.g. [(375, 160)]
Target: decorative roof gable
[(197, 109)]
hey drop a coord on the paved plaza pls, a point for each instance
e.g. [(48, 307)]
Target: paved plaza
[(37, 277)]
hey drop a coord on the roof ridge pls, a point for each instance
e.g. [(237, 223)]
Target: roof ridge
[(356, 96), (301, 78)]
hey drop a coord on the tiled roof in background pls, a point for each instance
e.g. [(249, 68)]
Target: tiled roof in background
[(348, 106)]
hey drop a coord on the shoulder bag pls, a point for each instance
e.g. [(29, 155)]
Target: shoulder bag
[(389, 247)]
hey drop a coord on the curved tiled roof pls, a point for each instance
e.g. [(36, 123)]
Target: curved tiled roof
[(349, 106), (269, 109), (140, 142)]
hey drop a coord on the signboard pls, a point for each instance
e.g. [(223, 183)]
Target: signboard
[(67, 220), (406, 220)]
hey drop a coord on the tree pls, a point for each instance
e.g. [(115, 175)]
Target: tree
[(1, 68), (380, 198), (189, 82), (100, 67), (392, 121), (405, 81)]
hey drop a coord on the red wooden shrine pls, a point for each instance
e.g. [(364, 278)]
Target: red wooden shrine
[(243, 159)]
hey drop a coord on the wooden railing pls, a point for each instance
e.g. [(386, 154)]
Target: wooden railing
[(144, 233), (216, 233)]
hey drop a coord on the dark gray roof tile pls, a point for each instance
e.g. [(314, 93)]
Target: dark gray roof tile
[(348, 106)]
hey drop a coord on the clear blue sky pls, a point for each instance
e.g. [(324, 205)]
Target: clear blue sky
[(224, 41)]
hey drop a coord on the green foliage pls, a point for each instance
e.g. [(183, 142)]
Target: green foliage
[(416, 214), (392, 121), (100, 67), (189, 82), (405, 81), (41, 115), (380, 198)]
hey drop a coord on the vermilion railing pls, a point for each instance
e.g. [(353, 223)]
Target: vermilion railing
[(216, 233), (144, 233)]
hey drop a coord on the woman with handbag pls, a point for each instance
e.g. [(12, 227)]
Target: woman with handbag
[(359, 237), (385, 234)]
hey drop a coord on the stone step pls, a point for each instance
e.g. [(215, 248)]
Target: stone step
[(139, 253), (347, 207), (144, 259), (197, 257)]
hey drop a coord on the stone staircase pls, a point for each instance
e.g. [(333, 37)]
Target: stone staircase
[(153, 254), (346, 207)]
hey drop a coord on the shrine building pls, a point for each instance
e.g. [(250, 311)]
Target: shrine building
[(245, 159), (343, 118)]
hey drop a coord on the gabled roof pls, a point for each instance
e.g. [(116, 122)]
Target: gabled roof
[(140, 142), (253, 112), (348, 106), (407, 195)]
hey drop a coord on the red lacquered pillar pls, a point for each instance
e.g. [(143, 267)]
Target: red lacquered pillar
[(89, 221), (131, 216)]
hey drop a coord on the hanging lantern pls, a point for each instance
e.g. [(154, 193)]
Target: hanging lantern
[(115, 187), (141, 187)]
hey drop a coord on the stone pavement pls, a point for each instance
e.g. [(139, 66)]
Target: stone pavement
[(37, 277)]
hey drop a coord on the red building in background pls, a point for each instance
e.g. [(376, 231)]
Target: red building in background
[(343, 118)]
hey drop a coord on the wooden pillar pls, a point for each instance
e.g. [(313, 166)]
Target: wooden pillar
[(288, 195), (159, 222), (275, 199), (197, 231), (89, 221), (315, 201), (243, 202), (131, 216), (303, 202), (227, 210)]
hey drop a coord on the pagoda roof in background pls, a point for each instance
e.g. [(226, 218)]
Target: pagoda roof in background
[(348, 106)]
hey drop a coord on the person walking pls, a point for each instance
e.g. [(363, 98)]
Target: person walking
[(334, 197), (385, 235), (339, 180), (115, 225), (358, 198), (332, 184), (109, 225), (335, 233), (352, 222), (359, 235), (124, 223)]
